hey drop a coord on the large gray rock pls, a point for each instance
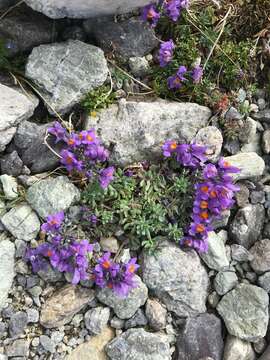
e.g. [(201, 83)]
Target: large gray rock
[(7, 253), (247, 225), (66, 72), (215, 258), (96, 319), (225, 281), (29, 143), (22, 222), (146, 126), (261, 256), (139, 344), (237, 349), (245, 312), (15, 107), (177, 278), (126, 39), (249, 163), (52, 195), (200, 337), (127, 306), (24, 29), (11, 163), (83, 8), (60, 308)]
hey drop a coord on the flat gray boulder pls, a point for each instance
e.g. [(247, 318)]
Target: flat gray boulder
[(177, 278), (136, 130), (249, 163), (7, 252), (66, 72), (83, 8), (245, 312)]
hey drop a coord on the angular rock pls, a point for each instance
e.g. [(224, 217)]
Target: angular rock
[(95, 347), (266, 141), (145, 127), (139, 66), (6, 137), (66, 72), (138, 319), (225, 281), (83, 8), (139, 344), (248, 131), (261, 256), (156, 315), (177, 278), (249, 163), (52, 195), (96, 319), (47, 343), (22, 222), (7, 253), (221, 221), (25, 29), (242, 196), (10, 187), (247, 225), (245, 312), (200, 337), (11, 164), (264, 281), (29, 143), (18, 323), (109, 244), (237, 349), (15, 107), (60, 308), (240, 254), (125, 307), (127, 39), (18, 348), (211, 137), (215, 258)]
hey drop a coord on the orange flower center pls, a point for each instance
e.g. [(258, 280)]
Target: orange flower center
[(204, 189), (203, 204), (69, 160), (49, 253), (71, 141), (213, 194), (200, 228), (173, 146), (204, 215), (106, 264), (132, 268), (110, 286), (226, 164), (89, 138)]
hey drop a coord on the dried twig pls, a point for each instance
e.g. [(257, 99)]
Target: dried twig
[(10, 9)]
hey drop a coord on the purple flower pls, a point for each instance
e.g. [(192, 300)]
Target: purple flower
[(172, 8), (106, 176), (166, 53), (169, 147), (191, 156), (58, 131), (175, 81), (37, 260), (209, 171), (96, 153), (150, 14), (69, 160), (73, 141), (88, 137), (53, 222), (197, 74)]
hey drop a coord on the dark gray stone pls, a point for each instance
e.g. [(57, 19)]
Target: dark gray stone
[(127, 39), (264, 281), (18, 323), (96, 319), (74, 32), (24, 29), (261, 256), (138, 319), (18, 348), (247, 225), (29, 143), (11, 164), (200, 337)]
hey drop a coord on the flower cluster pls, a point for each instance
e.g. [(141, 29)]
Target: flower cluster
[(119, 277), (83, 154), (213, 194), (171, 8), (77, 258)]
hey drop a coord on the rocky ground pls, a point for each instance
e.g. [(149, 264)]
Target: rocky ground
[(186, 306)]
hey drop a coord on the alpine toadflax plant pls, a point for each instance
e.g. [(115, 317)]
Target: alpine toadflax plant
[(171, 8), (77, 258), (83, 154), (213, 193)]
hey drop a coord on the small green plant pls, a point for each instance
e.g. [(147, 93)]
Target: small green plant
[(98, 99), (152, 203)]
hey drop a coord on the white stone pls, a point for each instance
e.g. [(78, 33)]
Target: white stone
[(10, 186), (249, 163), (215, 258), (7, 252)]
